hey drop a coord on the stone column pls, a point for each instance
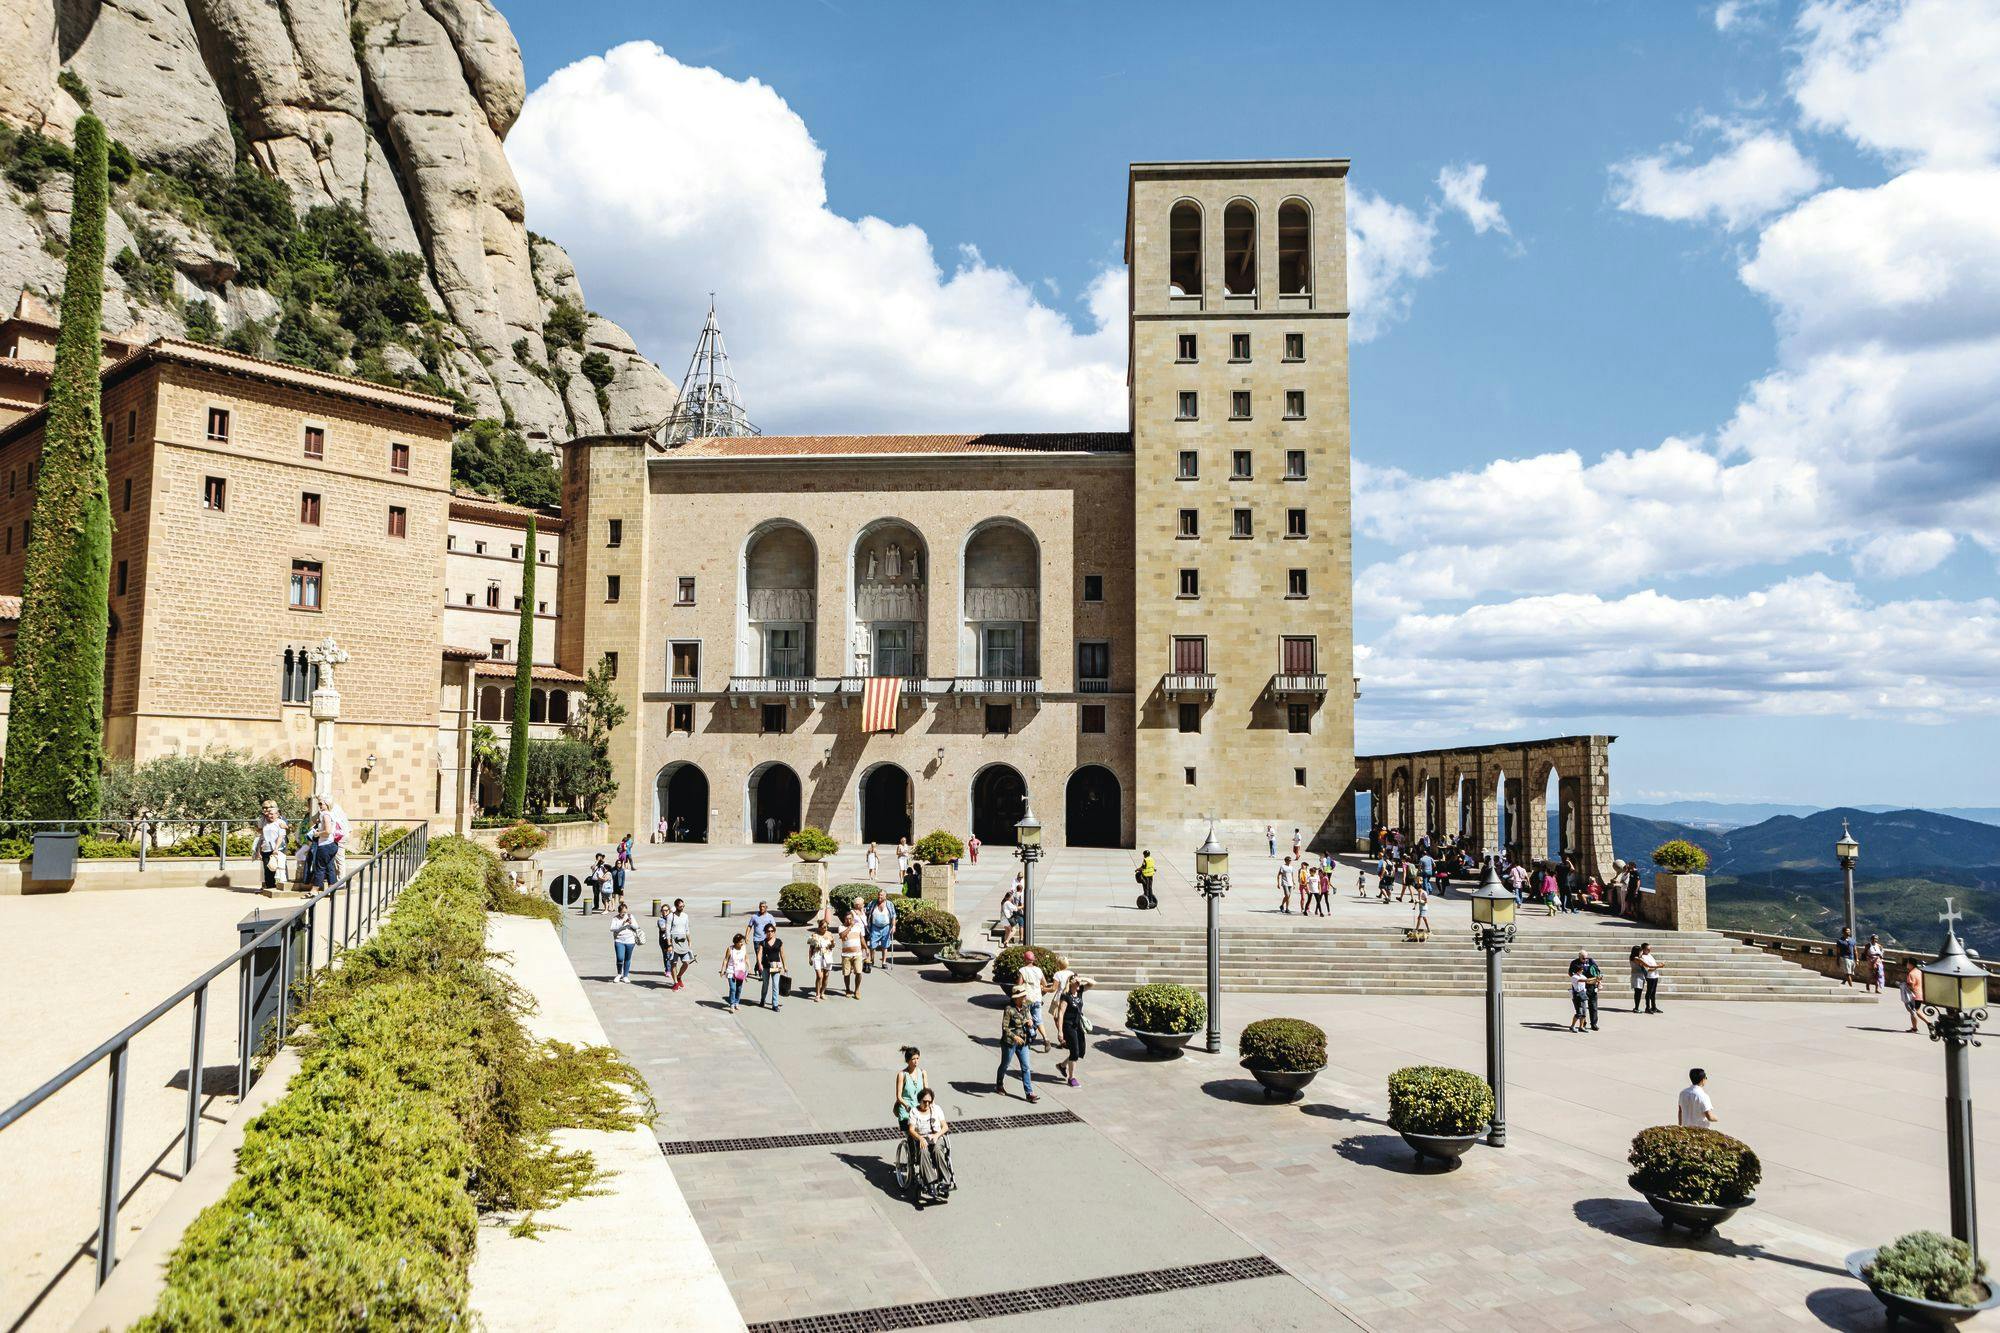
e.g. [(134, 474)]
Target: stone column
[(326, 655), (1535, 811), (1593, 810)]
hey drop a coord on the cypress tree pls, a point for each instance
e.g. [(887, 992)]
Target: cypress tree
[(55, 736), (524, 685)]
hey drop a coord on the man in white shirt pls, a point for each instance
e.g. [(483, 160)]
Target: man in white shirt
[(1031, 976), (1696, 1108)]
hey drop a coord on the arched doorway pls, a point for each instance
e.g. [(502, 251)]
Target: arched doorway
[(773, 798), (1092, 808), (999, 799), (299, 778), (680, 796), (885, 804)]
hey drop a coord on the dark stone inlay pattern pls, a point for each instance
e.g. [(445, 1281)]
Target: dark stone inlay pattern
[(879, 1134)]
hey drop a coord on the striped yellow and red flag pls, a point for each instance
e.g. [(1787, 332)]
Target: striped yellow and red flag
[(878, 703)]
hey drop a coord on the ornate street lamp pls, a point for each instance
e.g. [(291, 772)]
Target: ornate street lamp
[(1493, 930), (1955, 1005), (1211, 877), (1847, 851), (1028, 840)]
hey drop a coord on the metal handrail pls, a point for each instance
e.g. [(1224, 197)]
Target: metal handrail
[(146, 828), (378, 882)]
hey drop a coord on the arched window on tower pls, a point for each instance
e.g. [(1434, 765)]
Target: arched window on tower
[(1239, 249), (1184, 249), (1294, 248)]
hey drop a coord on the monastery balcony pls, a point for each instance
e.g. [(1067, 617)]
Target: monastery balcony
[(759, 689), (1093, 685), (683, 685), (1298, 685), (997, 687), (1188, 685)]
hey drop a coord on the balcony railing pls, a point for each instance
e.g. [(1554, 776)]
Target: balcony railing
[(683, 685), (1289, 683), (1179, 684), (1093, 685), (1009, 686)]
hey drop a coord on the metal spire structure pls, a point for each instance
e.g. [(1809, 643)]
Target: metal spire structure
[(709, 404)]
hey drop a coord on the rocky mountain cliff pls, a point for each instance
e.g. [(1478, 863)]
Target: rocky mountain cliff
[(383, 121)]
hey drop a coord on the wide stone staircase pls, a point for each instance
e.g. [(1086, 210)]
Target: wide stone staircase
[(1317, 957)]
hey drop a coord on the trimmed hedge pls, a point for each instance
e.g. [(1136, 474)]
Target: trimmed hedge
[(925, 923), (420, 1101), (845, 896), (1007, 964), (1431, 1099), (1288, 1044), (799, 896), (1165, 1007), (1928, 1267), (1680, 857), (938, 848), (811, 844), (1693, 1165)]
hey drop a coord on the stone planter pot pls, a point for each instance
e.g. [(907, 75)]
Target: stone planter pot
[(967, 966), (1282, 1085), (1165, 1044), (1699, 1218), (935, 884), (519, 854), (799, 916), (1446, 1148), (1938, 1314), (923, 953)]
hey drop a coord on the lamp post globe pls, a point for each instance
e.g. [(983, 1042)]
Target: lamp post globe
[(1954, 1002), (1211, 877), (1493, 930), (1028, 846), (1847, 851)]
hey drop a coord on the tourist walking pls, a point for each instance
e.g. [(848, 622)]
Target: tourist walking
[(598, 877), (1033, 981), (881, 928), (1323, 882), (1875, 978), (676, 943), (270, 844), (874, 860), (1071, 1024), (1638, 981), (762, 923), (1271, 840), (771, 962), (972, 848), (1632, 889), (1517, 880), (902, 860), (1285, 877), (1297, 845), (324, 850), (1017, 1028), (822, 947), (853, 952), (1651, 966), (1013, 911), (911, 1082), (624, 939), (1845, 947), (1584, 967), (1696, 1109), (1146, 872), (1913, 993), (735, 970)]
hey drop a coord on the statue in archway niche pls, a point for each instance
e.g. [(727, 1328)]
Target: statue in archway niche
[(871, 566), (892, 561)]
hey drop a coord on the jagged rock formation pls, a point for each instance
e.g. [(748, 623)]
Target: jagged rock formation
[(396, 108)]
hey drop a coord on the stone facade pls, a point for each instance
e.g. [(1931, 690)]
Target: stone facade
[(482, 578)]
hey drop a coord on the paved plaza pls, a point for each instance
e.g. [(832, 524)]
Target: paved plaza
[(1171, 1165)]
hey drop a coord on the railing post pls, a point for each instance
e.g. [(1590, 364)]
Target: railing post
[(143, 840), (243, 1028), (114, 1142), (222, 848), (284, 981), (346, 892), (197, 1049)]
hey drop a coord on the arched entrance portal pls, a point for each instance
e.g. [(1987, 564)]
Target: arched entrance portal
[(1091, 808), (885, 804), (680, 796), (999, 799), (773, 798)]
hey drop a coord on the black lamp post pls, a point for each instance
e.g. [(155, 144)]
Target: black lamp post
[(1493, 930), (1848, 851), (1028, 836), (1955, 1005), (1211, 877)]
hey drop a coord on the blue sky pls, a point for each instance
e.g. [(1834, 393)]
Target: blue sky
[(1691, 250)]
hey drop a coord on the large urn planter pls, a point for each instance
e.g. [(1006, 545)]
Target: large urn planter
[(799, 916), (1700, 1218), (966, 966), (925, 953), (1164, 1044), (1440, 1112), (1282, 1085), (1918, 1309), (1678, 1159), (1283, 1054), (1446, 1148)]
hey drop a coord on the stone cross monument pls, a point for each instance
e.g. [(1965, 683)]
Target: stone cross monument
[(326, 655)]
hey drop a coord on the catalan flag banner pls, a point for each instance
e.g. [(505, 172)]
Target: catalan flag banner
[(878, 703)]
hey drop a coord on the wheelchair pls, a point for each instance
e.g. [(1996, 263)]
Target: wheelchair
[(911, 1181)]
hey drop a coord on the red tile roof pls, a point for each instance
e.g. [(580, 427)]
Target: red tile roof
[(482, 509), (506, 670), (803, 446), (10, 608), (455, 653)]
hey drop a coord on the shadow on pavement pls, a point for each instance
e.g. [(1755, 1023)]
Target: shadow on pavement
[(879, 1171), (1388, 1152), (1327, 1111), (992, 999), (1131, 1049), (1245, 1090), (1846, 1308), (1635, 1220)]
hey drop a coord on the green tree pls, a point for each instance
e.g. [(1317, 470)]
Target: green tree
[(524, 685), (487, 756), (55, 736), (493, 459), (600, 713)]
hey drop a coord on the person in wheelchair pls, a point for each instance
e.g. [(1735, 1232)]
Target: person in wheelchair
[(926, 1152)]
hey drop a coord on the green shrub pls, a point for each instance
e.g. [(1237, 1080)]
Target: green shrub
[(564, 326), (1430, 1099), (494, 459), (203, 844), (1928, 1267), (811, 844), (98, 849), (925, 923), (1007, 964), (522, 837), (1289, 1044), (939, 848), (1680, 857), (1691, 1165), (1164, 1007), (799, 896), (846, 896)]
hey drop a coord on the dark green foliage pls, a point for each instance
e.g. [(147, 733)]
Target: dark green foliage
[(1431, 1099), (1007, 965), (1165, 1007), (811, 843), (202, 324), (564, 772), (846, 896), (597, 369), (120, 164), (599, 712), (1289, 1044), (198, 789), (565, 325), (1690, 1165), (32, 158), (1680, 857), (799, 896), (516, 799), (72, 83), (939, 847), (494, 460), (148, 273), (55, 735), (925, 923), (1928, 1267)]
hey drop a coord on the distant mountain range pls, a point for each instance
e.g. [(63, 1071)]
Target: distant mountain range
[(1895, 842), (1740, 814)]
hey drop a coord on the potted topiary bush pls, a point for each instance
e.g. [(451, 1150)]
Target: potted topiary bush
[(1679, 900), (798, 901), (1165, 1016), (847, 896), (1283, 1054), (963, 964), (936, 853), (1439, 1112), (1007, 966), (811, 844), (1926, 1277), (925, 929), (1695, 1178), (521, 841)]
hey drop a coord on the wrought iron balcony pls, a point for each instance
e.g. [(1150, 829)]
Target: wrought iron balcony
[(1298, 685), (1188, 685)]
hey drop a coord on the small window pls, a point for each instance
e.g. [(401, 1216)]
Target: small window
[(1093, 587), (615, 535), (309, 509), (399, 521), (684, 659), (214, 493), (305, 587), (1186, 347), (1295, 404), (774, 719), (1186, 410), (128, 494), (541, 608), (1184, 249), (515, 554), (493, 593), (124, 568), (1190, 523), (1190, 466), (399, 458), (1190, 654), (1239, 405), (315, 442), (1295, 583), (683, 719), (131, 428), (1295, 522), (611, 587), (218, 424), (1295, 347), (1187, 775), (684, 592), (999, 719), (1298, 719), (1294, 249), (1295, 465), (1190, 583), (541, 555), (479, 548), (1090, 719), (1239, 465), (497, 649), (1239, 347), (468, 599), (1190, 719), (611, 665), (1298, 777), (10, 539), (11, 474), (1239, 523), (450, 541)]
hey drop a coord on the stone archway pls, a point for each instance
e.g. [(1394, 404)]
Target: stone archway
[(886, 804), (773, 796), (999, 799), (680, 796), (1093, 804)]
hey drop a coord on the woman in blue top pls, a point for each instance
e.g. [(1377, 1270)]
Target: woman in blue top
[(910, 1080)]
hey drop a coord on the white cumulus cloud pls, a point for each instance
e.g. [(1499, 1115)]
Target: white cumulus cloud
[(1913, 80), (1388, 249), (1901, 555), (1464, 189), (1756, 174)]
